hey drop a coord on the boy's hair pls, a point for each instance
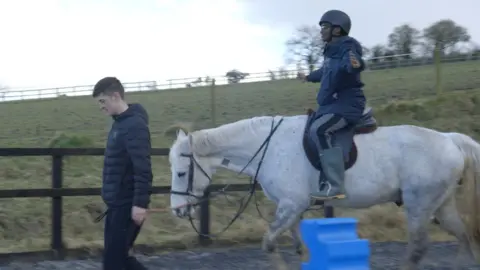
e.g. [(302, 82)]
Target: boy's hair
[(108, 86)]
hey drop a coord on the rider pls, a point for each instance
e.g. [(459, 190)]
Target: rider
[(340, 98)]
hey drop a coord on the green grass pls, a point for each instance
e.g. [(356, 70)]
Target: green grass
[(25, 223)]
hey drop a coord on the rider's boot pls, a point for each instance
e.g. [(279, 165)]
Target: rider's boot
[(333, 169)]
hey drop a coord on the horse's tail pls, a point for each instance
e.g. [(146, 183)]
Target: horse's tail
[(470, 181)]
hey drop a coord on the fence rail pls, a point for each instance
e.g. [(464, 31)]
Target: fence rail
[(289, 72), (57, 192)]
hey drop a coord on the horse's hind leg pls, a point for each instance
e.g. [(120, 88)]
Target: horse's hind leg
[(450, 220), (421, 203), (287, 216), (418, 217)]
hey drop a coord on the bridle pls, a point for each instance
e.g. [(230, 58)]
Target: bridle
[(207, 195), (191, 169)]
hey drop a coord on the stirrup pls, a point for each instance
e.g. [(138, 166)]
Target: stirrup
[(326, 184)]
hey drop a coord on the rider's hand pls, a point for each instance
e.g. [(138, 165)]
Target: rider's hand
[(353, 60)]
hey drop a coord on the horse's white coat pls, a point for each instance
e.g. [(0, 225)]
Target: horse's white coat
[(418, 165)]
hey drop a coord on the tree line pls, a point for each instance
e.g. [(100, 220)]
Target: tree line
[(404, 43), (404, 46)]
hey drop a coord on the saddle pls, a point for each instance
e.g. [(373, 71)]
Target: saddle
[(343, 138)]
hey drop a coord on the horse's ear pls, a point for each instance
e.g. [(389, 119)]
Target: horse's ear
[(181, 133), (190, 139)]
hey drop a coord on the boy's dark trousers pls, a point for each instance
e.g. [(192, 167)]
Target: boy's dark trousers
[(119, 235)]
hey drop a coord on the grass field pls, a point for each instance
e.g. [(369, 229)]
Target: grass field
[(25, 223)]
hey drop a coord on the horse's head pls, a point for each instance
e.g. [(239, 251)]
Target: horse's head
[(191, 175)]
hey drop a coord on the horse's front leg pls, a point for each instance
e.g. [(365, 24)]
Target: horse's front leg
[(287, 215), (297, 238)]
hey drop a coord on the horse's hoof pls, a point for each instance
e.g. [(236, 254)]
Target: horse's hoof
[(268, 246)]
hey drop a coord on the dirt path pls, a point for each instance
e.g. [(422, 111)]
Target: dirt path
[(385, 256)]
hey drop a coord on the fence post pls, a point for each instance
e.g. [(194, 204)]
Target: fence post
[(437, 55), (203, 238), (212, 103), (328, 212), (57, 201)]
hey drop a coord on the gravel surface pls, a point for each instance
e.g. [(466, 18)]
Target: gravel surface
[(385, 256)]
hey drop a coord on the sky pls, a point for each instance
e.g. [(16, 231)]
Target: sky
[(55, 43)]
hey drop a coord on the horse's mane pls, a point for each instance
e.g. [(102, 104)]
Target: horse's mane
[(174, 128), (210, 141)]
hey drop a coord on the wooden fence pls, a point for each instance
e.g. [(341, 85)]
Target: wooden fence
[(288, 72), (57, 191)]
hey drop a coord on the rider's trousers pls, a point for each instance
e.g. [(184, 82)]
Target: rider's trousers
[(323, 127)]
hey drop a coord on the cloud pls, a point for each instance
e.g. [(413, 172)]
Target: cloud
[(51, 43), (60, 42), (372, 20)]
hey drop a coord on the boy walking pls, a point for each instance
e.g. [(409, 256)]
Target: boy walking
[(127, 174)]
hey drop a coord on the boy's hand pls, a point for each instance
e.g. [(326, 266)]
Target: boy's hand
[(139, 214)]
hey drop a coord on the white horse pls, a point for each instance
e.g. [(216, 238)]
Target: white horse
[(416, 165)]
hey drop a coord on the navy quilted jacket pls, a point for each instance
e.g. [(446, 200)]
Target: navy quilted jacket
[(127, 173), (341, 87)]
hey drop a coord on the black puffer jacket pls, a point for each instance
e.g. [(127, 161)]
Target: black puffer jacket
[(127, 174)]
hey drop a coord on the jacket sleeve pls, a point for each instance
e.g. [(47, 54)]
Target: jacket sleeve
[(138, 146), (352, 62), (315, 76)]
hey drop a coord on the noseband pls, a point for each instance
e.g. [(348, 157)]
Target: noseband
[(189, 190)]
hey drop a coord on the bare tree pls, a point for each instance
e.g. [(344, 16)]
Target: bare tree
[(235, 76), (403, 40), (272, 76), (208, 80), (283, 73), (305, 46), (444, 35), (376, 52)]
